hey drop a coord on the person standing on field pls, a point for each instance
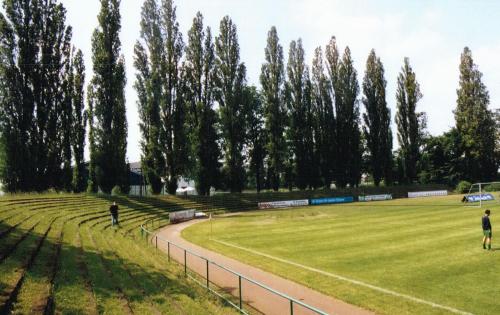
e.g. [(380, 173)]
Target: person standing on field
[(113, 209), (486, 229)]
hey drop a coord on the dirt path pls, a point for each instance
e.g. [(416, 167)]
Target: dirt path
[(260, 299)]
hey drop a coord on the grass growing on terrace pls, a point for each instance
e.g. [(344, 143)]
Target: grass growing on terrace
[(59, 255)]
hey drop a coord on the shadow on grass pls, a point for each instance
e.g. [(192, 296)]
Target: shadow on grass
[(102, 270)]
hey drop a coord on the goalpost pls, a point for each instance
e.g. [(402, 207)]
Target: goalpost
[(482, 193)]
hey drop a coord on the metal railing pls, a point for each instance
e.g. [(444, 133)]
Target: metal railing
[(293, 303)]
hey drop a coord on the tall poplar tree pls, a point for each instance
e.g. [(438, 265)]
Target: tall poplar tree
[(475, 123), (311, 145), (199, 69), (324, 119), (408, 122), (230, 78), (66, 128), (377, 120), (79, 123), (92, 178), (272, 79), (173, 111), (332, 57), (149, 61), (256, 134), (348, 134), (299, 106), (108, 99), (36, 54)]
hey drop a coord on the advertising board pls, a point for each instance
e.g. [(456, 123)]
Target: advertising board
[(433, 193), (375, 197), (331, 200), (181, 216), (479, 197), (283, 204)]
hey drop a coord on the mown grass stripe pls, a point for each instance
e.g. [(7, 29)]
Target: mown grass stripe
[(346, 279), (49, 304), (10, 249), (12, 296), (123, 297), (85, 271)]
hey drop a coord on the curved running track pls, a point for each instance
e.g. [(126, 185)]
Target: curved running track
[(254, 296)]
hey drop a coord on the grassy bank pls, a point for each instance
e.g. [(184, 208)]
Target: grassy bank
[(59, 255)]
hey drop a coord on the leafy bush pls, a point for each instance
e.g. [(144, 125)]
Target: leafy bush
[(116, 191), (463, 187), (493, 187)]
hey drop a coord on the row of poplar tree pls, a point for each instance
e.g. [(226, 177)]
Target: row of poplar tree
[(199, 118)]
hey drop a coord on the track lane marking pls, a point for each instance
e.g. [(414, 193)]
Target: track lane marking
[(353, 281)]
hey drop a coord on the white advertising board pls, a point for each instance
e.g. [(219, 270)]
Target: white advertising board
[(375, 197), (180, 216), (433, 193), (283, 204)]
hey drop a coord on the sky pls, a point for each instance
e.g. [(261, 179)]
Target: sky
[(431, 33)]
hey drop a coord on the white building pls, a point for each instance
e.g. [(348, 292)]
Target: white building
[(139, 188)]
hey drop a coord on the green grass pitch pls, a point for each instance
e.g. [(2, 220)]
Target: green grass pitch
[(425, 250)]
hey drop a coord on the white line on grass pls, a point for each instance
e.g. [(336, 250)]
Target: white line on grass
[(357, 282)]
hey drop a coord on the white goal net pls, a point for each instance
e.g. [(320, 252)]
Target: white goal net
[(481, 194)]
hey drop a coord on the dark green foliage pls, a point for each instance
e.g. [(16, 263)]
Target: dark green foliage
[(492, 188), (299, 101), (230, 77), (377, 120), (161, 96), (441, 159), (173, 111), (35, 96), (463, 187), (180, 139), (150, 65), (410, 126), (272, 79), (108, 119), (92, 180), (313, 176), (332, 68), (208, 152), (199, 75), (475, 123), (256, 135), (347, 124), (324, 120), (79, 123), (66, 128)]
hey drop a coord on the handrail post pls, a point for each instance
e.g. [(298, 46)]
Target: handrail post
[(156, 241), (185, 262), (241, 299), (168, 251), (208, 281), (291, 307)]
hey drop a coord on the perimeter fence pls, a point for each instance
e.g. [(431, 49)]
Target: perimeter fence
[(240, 291)]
